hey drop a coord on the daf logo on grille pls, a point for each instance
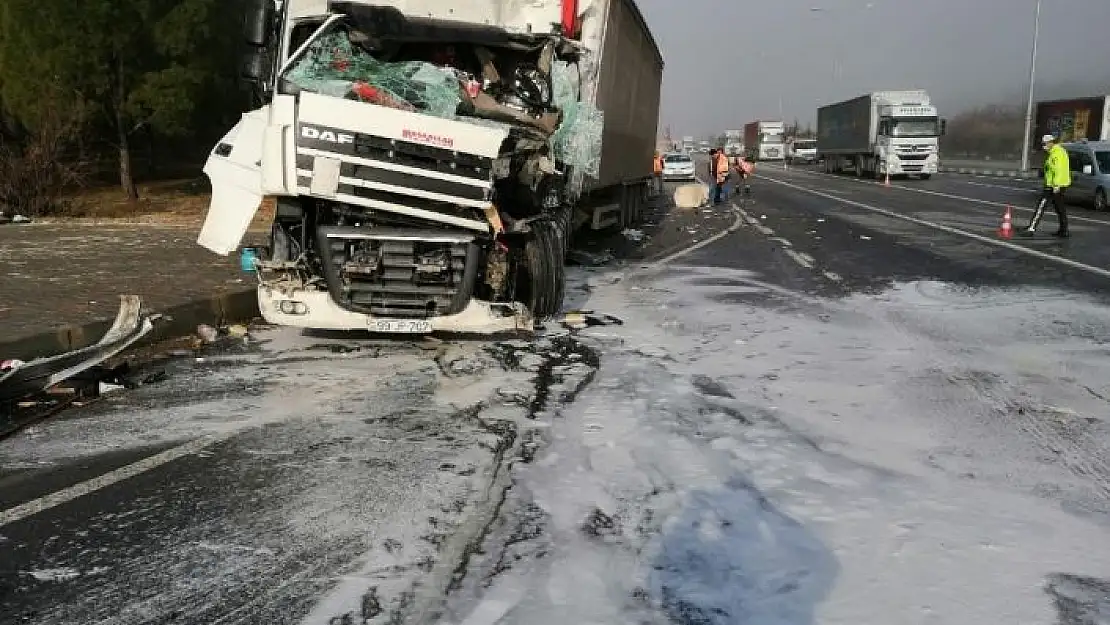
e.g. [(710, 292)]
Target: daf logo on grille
[(308, 132)]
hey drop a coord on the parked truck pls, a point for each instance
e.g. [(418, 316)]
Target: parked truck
[(689, 145), (763, 140), (895, 132), (734, 142), (430, 161), (801, 150)]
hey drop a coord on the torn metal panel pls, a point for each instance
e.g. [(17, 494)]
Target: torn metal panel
[(26, 378)]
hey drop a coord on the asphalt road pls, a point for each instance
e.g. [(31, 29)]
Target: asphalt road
[(338, 480), (945, 228)]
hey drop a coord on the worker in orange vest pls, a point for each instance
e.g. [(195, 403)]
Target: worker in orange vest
[(720, 171), (658, 177), (743, 167)]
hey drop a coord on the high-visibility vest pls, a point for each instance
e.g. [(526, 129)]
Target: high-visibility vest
[(658, 164), (722, 167)]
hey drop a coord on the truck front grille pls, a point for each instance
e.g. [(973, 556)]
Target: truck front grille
[(398, 273)]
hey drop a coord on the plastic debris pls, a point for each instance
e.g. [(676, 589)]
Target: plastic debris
[(237, 331)]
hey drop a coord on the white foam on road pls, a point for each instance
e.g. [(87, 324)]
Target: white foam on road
[(929, 454)]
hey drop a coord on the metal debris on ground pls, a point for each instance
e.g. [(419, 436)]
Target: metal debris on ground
[(21, 379), (579, 319)]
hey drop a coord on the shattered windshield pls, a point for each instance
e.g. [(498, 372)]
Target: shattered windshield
[(333, 65)]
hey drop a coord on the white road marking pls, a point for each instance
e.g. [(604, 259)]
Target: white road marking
[(736, 225), (803, 259), (949, 229), (57, 498), (950, 196), (798, 258), (1000, 186)]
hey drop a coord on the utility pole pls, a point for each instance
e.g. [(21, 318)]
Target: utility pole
[(1032, 82)]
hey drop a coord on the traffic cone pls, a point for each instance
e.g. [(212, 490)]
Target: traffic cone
[(1007, 229)]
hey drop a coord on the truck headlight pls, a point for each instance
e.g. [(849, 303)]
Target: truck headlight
[(292, 307)]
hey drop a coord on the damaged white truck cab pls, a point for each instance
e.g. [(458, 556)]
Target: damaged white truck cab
[(430, 161)]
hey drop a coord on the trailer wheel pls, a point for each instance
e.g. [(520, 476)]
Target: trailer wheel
[(541, 278)]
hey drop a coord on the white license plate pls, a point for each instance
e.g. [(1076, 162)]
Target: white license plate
[(400, 326)]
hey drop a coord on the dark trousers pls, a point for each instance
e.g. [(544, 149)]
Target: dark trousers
[(1057, 201)]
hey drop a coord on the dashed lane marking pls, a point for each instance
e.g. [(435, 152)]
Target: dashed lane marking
[(950, 196), (1000, 186), (949, 229)]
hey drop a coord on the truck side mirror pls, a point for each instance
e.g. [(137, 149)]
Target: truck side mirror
[(253, 67), (258, 22), (943, 127)]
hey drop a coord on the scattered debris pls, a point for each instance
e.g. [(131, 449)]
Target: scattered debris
[(237, 331), (599, 524), (708, 386), (633, 235), (207, 333), (22, 379)]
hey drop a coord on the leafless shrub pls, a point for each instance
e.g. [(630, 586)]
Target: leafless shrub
[(38, 170)]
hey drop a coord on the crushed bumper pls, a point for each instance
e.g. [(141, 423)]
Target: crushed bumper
[(303, 308)]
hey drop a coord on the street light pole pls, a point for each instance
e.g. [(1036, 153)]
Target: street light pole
[(1032, 80)]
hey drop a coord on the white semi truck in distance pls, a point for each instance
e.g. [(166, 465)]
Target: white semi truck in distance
[(801, 150), (431, 160), (689, 145), (895, 132), (763, 140), (734, 142)]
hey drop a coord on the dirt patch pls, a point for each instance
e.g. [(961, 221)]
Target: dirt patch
[(181, 202)]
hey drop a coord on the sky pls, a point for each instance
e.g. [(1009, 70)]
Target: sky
[(732, 61)]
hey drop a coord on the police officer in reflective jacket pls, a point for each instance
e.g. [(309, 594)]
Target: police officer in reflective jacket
[(1057, 179)]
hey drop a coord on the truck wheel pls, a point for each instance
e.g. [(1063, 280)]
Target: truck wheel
[(925, 176), (541, 281), (1100, 200)]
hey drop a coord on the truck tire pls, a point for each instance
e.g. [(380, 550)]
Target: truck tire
[(543, 279)]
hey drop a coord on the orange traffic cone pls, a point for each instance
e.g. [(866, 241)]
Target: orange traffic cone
[(1007, 229)]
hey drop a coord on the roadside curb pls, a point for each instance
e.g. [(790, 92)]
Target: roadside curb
[(178, 320), (1012, 174)]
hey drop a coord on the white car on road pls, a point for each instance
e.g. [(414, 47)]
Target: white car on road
[(678, 167)]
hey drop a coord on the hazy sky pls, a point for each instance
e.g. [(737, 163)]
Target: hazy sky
[(730, 61)]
